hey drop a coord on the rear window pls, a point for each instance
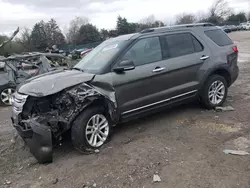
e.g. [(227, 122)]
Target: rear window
[(219, 37)]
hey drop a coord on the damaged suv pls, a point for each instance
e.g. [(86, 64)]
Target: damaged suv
[(121, 79)]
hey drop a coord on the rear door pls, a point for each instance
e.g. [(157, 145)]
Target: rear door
[(184, 54)]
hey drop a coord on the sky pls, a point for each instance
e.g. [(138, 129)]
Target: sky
[(102, 13)]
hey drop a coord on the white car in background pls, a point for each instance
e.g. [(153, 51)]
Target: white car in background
[(247, 26)]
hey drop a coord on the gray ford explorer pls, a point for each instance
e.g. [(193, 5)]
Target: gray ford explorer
[(121, 79)]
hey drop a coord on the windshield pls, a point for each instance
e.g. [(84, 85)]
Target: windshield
[(98, 58)]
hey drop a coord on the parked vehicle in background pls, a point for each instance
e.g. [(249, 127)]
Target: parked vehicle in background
[(18, 68), (83, 53), (121, 79), (225, 28), (241, 27), (233, 28), (76, 54), (247, 26)]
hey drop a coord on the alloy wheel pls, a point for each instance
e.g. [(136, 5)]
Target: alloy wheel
[(216, 92), (97, 130), (6, 96)]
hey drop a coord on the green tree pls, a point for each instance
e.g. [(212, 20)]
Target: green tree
[(25, 40), (11, 47), (122, 26), (185, 18), (54, 34), (74, 27), (218, 11), (104, 34), (5, 49), (88, 34), (46, 35), (133, 27), (39, 36), (148, 22), (240, 17), (113, 33), (158, 24)]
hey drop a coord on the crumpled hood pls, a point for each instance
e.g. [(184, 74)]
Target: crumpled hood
[(53, 82)]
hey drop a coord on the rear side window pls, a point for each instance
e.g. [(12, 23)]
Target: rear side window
[(182, 44), (219, 37)]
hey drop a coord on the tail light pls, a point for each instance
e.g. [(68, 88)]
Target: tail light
[(235, 49)]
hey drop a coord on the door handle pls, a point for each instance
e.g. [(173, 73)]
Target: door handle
[(159, 69), (204, 57)]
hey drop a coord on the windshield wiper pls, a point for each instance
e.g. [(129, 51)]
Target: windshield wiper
[(76, 68)]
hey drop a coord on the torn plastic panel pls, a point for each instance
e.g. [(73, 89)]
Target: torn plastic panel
[(49, 117), (38, 137)]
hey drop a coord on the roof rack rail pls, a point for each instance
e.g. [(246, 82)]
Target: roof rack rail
[(195, 25), (178, 26), (147, 30)]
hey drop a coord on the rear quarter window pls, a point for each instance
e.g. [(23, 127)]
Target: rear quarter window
[(219, 37)]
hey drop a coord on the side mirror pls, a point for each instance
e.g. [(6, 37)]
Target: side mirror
[(125, 65)]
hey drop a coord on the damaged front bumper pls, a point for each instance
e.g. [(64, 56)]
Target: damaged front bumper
[(38, 138)]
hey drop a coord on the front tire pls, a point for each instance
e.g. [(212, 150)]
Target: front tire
[(90, 130), (214, 92)]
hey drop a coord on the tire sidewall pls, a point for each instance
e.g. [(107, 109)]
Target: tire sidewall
[(205, 92), (78, 130)]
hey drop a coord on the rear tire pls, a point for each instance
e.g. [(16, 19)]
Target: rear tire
[(90, 130), (214, 92)]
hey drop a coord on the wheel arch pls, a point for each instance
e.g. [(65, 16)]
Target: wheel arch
[(107, 105), (223, 72), (219, 70)]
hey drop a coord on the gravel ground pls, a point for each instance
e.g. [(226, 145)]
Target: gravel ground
[(183, 146)]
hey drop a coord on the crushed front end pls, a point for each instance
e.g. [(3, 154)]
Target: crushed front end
[(43, 119), (36, 133)]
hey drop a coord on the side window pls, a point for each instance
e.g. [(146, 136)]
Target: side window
[(219, 37), (180, 44), (197, 45), (144, 51)]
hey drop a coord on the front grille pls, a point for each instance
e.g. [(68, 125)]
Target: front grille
[(17, 103)]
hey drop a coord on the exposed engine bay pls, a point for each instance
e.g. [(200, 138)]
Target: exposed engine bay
[(59, 111)]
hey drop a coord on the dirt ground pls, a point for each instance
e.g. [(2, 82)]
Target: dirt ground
[(184, 146)]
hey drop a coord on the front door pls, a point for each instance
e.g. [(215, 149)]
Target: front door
[(137, 88)]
